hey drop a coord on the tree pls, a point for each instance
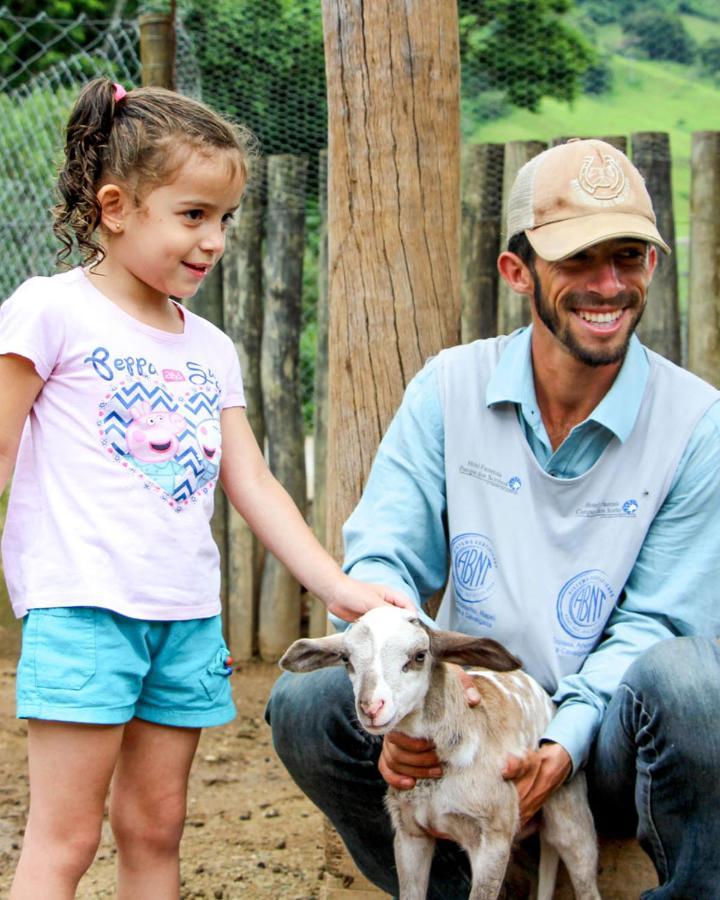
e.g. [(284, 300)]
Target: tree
[(659, 35), (598, 77), (262, 63), (709, 56), (525, 48)]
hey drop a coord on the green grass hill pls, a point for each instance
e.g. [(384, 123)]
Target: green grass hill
[(647, 96)]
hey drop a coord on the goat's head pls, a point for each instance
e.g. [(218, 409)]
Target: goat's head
[(389, 655)]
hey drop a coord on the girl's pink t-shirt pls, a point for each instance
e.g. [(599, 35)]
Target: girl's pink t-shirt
[(113, 487)]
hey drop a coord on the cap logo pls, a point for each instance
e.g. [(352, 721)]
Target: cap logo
[(601, 182)]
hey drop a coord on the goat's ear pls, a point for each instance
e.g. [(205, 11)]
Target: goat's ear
[(466, 650), (308, 654)]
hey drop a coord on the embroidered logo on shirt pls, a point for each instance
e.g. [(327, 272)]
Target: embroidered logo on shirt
[(583, 605), (491, 477), (473, 567), (609, 509)]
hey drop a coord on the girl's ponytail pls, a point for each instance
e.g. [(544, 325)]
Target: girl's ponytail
[(77, 215), (137, 139)]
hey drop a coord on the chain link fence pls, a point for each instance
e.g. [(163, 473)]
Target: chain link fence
[(44, 64), (261, 63), (530, 69)]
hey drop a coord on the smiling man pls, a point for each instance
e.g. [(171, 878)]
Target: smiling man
[(563, 484)]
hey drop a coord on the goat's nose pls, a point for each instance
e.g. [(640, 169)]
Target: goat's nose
[(372, 709)]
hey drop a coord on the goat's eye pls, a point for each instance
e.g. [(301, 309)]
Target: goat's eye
[(414, 661)]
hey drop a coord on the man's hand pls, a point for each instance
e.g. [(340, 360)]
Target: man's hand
[(405, 759), (472, 695), (536, 775)]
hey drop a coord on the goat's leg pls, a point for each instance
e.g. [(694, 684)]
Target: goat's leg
[(547, 870), (413, 858), (489, 859), (568, 825)]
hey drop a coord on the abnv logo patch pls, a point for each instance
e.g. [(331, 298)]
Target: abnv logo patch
[(473, 567), (584, 603)]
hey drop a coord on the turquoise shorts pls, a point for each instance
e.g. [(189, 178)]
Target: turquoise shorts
[(85, 664)]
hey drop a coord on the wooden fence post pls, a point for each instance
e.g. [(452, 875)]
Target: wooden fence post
[(704, 291), (619, 141), (317, 624), (157, 49), (393, 209), (285, 231), (242, 289), (394, 238), (660, 325), (513, 309), (481, 224)]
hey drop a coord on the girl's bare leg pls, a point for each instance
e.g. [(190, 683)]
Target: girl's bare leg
[(148, 799), (70, 767)]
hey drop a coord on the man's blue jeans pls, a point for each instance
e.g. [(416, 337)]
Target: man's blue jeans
[(653, 770)]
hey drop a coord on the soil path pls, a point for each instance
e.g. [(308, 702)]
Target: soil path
[(250, 832)]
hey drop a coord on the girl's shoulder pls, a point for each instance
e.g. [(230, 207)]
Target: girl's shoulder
[(210, 333), (52, 292), (36, 319)]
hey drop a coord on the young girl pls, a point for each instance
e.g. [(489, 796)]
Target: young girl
[(113, 398)]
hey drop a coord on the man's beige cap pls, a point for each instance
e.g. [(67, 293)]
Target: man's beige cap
[(577, 194)]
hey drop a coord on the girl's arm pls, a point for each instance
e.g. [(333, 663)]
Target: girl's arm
[(19, 386), (271, 513)]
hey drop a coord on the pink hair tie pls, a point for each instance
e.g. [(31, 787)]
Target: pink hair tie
[(120, 92)]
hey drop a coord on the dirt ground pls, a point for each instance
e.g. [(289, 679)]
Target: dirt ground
[(250, 832)]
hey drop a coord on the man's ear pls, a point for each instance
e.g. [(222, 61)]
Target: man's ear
[(516, 273), (115, 204), (652, 259)]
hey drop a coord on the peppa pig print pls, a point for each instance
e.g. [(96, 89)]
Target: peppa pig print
[(208, 437), (152, 443), (167, 437)]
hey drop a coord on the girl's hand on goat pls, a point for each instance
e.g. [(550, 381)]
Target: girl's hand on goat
[(405, 759), (536, 775), (351, 598)]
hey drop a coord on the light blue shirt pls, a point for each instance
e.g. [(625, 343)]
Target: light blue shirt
[(397, 535)]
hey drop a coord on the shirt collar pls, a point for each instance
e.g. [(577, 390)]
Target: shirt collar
[(512, 381)]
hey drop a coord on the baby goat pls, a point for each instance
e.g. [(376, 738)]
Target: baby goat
[(397, 669)]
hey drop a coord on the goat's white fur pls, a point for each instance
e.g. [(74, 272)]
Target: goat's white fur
[(401, 683)]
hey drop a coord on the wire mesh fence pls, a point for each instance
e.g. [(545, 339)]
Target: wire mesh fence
[(261, 63), (44, 63), (531, 69)]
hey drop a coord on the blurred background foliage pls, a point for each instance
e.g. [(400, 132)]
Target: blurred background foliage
[(531, 69)]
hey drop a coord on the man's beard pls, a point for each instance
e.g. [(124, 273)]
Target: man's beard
[(600, 357)]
